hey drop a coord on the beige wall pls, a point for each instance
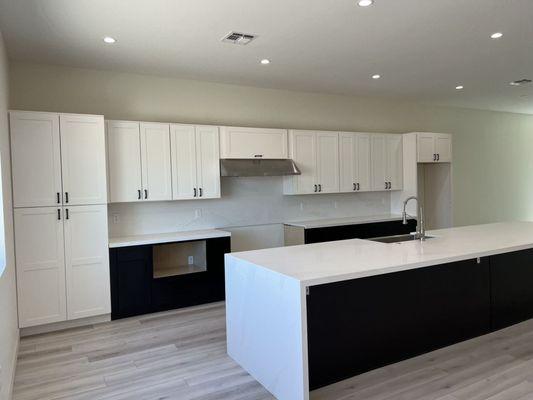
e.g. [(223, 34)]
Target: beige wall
[(8, 305), (492, 151)]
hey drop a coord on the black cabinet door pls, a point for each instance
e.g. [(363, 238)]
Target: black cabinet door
[(359, 231), (358, 325), (512, 288), (131, 275)]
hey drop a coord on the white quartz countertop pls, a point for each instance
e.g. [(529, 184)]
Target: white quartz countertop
[(184, 236), (319, 263), (324, 223)]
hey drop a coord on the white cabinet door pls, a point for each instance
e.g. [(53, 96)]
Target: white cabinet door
[(35, 158), (83, 161), (40, 265), (183, 152), (87, 261), (363, 163), (348, 162), (443, 147), (124, 161), (394, 156), (379, 162), (327, 144), (155, 161), (426, 147), (240, 142), (207, 162), (302, 147)]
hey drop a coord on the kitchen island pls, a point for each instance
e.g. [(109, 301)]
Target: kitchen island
[(302, 317)]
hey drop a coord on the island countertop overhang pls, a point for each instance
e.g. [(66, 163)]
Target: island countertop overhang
[(328, 262)]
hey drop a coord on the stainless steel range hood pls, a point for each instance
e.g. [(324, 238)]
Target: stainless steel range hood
[(257, 167)]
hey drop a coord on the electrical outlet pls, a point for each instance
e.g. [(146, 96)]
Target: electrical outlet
[(116, 218), (190, 260), (198, 213)]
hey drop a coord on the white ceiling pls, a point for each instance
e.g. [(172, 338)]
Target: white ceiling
[(422, 48)]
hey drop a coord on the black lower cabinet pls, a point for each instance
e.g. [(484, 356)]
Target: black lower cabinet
[(135, 290), (193, 289), (131, 276), (512, 288), (362, 324), (358, 231)]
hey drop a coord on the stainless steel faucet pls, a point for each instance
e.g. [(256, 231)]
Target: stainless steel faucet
[(420, 229)]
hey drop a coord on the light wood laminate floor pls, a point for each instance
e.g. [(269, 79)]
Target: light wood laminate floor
[(182, 355)]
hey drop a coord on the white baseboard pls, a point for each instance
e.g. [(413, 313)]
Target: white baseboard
[(57, 326), (13, 369)]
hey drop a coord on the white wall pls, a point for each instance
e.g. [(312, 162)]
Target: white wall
[(491, 150), (8, 306), (251, 208)]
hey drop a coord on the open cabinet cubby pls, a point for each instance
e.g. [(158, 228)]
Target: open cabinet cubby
[(172, 259)]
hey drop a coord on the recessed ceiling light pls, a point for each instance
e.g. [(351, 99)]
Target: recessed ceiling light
[(365, 3), (496, 35), (265, 61), (460, 87), (376, 76), (109, 40)]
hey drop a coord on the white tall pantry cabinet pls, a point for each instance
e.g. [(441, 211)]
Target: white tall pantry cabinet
[(60, 197)]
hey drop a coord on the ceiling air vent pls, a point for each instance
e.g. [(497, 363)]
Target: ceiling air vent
[(521, 82), (238, 38)]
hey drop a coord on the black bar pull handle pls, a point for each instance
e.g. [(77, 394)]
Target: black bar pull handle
[(66, 197), (59, 214), (200, 190), (66, 214), (145, 193)]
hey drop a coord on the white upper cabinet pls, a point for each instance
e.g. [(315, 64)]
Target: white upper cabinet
[(83, 159), (183, 155), (124, 161), (394, 157), (36, 159), (155, 161), (327, 162), (355, 166), (443, 147), (434, 147), (40, 265), (317, 156), (195, 162), (208, 162), (387, 162), (86, 261), (65, 154), (239, 142)]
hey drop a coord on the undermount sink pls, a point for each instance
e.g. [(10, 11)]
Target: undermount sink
[(399, 238)]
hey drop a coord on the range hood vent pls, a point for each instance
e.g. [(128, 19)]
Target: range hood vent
[(257, 167)]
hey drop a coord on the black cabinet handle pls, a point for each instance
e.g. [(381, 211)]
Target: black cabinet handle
[(59, 214), (200, 191), (355, 186), (139, 194), (145, 193), (438, 157), (66, 214), (319, 187), (258, 155), (194, 190), (358, 186), (66, 197), (58, 198), (316, 188)]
